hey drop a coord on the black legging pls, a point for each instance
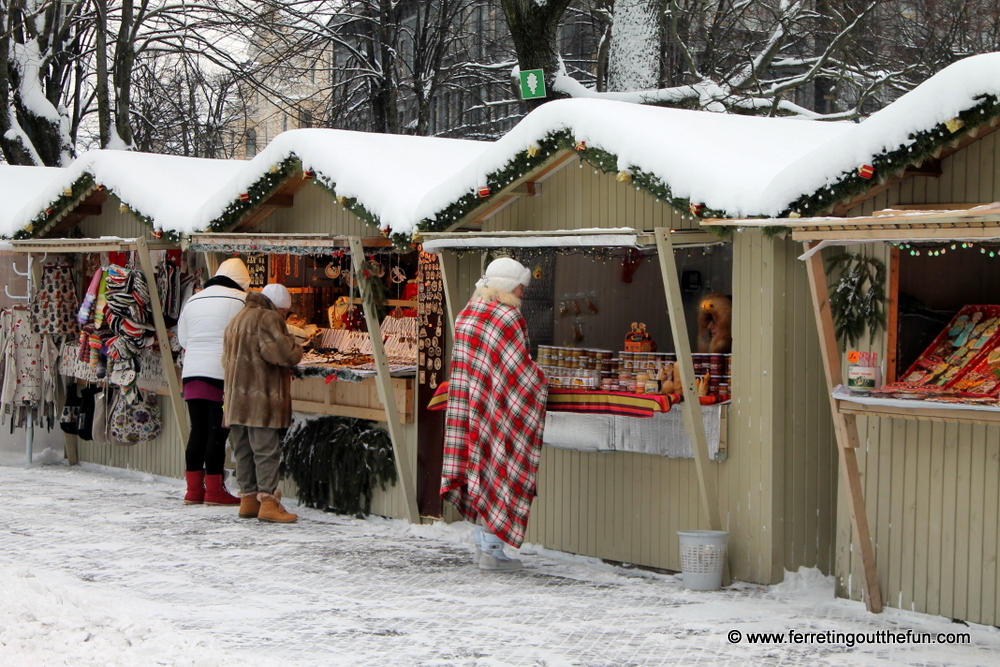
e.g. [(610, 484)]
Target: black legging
[(206, 448)]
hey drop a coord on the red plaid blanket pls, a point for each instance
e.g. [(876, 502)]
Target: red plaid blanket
[(493, 427)]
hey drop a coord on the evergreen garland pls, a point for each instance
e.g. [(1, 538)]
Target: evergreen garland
[(857, 298), (337, 462), (69, 197)]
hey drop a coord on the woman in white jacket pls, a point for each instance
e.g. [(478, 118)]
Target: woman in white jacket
[(199, 330)]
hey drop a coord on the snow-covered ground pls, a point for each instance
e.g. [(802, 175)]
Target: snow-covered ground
[(108, 567)]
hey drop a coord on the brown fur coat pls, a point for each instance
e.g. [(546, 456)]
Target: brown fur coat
[(256, 354), (718, 307)]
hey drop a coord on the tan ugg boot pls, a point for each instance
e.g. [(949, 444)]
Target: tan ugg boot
[(249, 506), (272, 510)]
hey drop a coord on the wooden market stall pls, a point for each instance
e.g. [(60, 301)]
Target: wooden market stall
[(97, 206), (919, 472), (775, 486)]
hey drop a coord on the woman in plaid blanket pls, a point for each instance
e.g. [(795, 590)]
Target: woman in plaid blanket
[(496, 413)]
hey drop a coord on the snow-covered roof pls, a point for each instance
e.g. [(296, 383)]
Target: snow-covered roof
[(18, 186), (729, 165), (723, 161), (735, 166), (387, 175), (166, 189)]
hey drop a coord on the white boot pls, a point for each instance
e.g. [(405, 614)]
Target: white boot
[(477, 537), (493, 557)]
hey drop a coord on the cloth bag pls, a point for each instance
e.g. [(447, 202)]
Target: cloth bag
[(134, 417)]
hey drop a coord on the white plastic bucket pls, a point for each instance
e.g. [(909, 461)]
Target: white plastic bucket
[(703, 556)]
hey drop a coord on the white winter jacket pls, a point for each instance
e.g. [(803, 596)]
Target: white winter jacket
[(202, 323)]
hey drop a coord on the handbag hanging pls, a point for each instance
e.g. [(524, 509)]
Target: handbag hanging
[(71, 410), (135, 417)]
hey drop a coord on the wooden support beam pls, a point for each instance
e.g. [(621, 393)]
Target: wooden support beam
[(166, 358), (383, 382), (846, 430), (930, 167), (88, 209), (528, 189), (694, 424), (280, 201)]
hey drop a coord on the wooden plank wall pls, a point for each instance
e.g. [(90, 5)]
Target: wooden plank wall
[(315, 212), (576, 197), (932, 489)]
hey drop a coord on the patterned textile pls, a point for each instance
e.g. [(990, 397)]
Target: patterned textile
[(55, 304), (27, 370), (150, 376), (493, 427), (589, 402)]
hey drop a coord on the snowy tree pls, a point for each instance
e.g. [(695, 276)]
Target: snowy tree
[(634, 50), (40, 44), (534, 26)]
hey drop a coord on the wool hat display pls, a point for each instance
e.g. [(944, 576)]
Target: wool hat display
[(278, 295), (505, 274), (235, 270)]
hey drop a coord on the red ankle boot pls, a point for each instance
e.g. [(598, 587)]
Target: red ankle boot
[(216, 493), (196, 487)]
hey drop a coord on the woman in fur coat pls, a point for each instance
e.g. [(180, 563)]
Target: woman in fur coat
[(257, 354), (496, 413)]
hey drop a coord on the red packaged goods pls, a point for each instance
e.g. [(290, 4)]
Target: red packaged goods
[(960, 360)]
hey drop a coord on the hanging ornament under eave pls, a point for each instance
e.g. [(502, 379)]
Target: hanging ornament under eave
[(955, 124), (308, 175), (483, 191), (624, 176), (580, 146), (866, 171), (342, 201), (49, 211), (273, 169), (534, 150), (244, 196), (696, 209), (383, 231), (124, 208), (157, 234), (68, 192), (794, 214)]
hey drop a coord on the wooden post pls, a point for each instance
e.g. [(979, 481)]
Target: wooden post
[(846, 429), (690, 406), (450, 290), (166, 359), (383, 382)]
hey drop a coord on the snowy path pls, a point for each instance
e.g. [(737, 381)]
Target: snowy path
[(112, 569)]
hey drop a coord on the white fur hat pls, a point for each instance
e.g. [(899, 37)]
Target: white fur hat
[(278, 295), (234, 269), (505, 274)]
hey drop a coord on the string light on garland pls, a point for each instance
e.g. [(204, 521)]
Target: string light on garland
[(991, 249)]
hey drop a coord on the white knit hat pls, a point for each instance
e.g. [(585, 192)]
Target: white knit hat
[(234, 269), (278, 295), (505, 274)]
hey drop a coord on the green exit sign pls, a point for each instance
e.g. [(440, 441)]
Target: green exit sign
[(532, 84)]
